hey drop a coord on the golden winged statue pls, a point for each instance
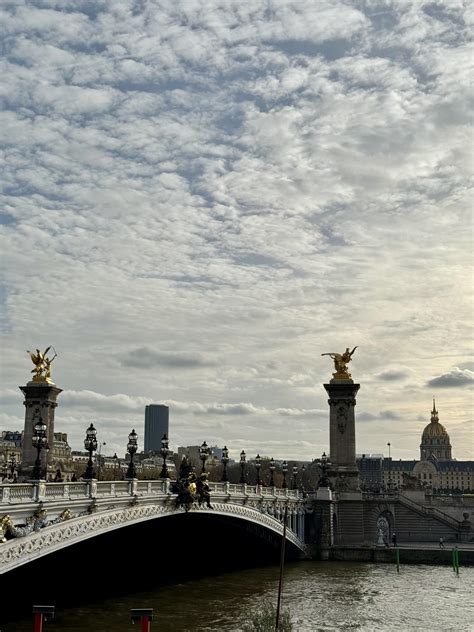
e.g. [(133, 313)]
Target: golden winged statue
[(340, 363), (42, 370)]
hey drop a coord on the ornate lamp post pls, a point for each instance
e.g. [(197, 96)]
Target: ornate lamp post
[(284, 467), (258, 465), (12, 465), (164, 451), (225, 460), (132, 447), (271, 467), (90, 444), (203, 454), (303, 472), (242, 467), (324, 481), (115, 458), (40, 442), (295, 474), (389, 467)]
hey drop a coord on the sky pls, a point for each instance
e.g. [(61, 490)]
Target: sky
[(200, 197)]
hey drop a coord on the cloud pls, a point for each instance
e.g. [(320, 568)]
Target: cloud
[(390, 415), (198, 202), (392, 376), (455, 378), (228, 409), (147, 358)]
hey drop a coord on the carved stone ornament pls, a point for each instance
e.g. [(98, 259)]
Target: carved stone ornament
[(341, 417), (16, 552)]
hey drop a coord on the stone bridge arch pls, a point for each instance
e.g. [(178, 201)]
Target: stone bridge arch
[(50, 539)]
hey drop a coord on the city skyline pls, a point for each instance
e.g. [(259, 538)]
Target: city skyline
[(199, 201)]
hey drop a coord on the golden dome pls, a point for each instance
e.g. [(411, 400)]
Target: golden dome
[(434, 430)]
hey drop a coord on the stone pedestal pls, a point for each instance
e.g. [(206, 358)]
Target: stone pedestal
[(343, 471), (40, 397)]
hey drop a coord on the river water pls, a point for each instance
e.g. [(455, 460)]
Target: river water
[(321, 596)]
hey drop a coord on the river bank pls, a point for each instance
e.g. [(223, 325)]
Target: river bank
[(414, 553)]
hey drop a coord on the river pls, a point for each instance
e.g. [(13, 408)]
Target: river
[(321, 596)]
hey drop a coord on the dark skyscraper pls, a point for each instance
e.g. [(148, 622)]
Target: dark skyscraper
[(156, 425)]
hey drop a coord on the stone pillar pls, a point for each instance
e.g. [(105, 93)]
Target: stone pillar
[(39, 397), (343, 471)]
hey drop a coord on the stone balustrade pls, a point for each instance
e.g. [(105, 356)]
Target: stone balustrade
[(18, 493)]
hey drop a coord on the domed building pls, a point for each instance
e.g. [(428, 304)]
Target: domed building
[(436, 469), (435, 440)]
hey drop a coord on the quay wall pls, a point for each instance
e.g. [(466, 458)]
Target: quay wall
[(387, 555)]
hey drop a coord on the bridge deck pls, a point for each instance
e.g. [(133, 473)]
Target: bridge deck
[(37, 519)]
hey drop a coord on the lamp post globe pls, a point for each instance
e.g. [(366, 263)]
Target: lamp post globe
[(243, 459), (225, 460), (203, 454), (271, 467), (90, 445), (164, 451), (40, 442), (132, 447), (284, 467)]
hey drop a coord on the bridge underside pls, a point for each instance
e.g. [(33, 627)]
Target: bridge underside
[(171, 549)]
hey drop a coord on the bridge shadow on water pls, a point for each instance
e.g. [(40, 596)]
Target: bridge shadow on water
[(163, 551)]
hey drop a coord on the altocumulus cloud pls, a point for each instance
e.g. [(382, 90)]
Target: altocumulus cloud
[(214, 182), (456, 377)]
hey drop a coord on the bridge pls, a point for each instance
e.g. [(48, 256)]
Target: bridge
[(40, 518)]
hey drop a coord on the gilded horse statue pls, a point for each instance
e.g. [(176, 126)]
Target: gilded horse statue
[(42, 370), (340, 363)]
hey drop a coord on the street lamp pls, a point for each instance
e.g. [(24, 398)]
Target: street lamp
[(39, 442), (271, 467), (225, 460), (115, 458), (389, 467), (132, 446), (12, 464), (258, 465), (203, 454), (164, 451), (90, 444), (242, 467), (323, 481), (302, 481), (295, 474), (284, 467)]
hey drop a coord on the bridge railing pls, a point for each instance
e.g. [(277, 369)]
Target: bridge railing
[(258, 490), (23, 493), (16, 493)]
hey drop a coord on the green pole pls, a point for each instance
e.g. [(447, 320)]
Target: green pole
[(398, 560), (457, 560), (282, 563), (454, 560)]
